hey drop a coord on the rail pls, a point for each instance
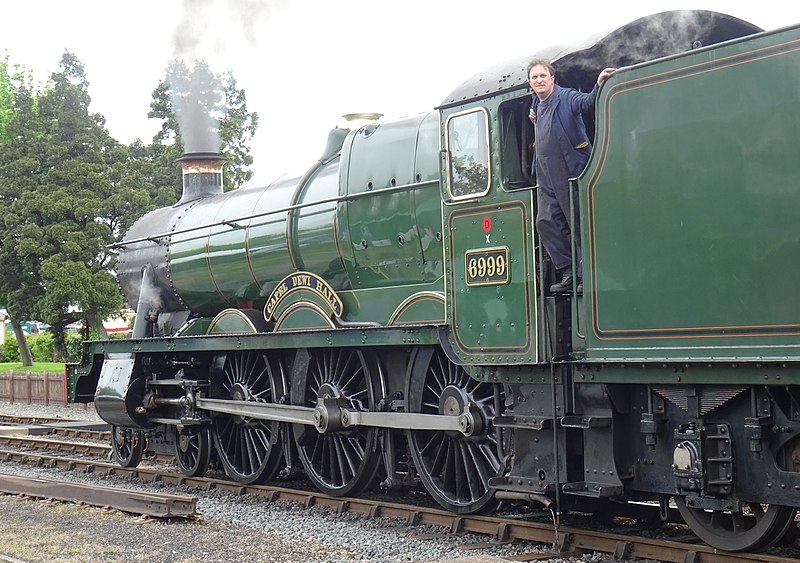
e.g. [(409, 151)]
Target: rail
[(564, 540), (159, 505)]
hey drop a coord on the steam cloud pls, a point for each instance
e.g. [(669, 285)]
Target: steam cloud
[(198, 101), (202, 22), (197, 93), (646, 39)]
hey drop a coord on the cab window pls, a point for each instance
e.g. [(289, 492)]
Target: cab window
[(467, 138)]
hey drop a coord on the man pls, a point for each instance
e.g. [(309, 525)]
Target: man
[(562, 151)]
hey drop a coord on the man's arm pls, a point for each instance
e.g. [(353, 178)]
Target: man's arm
[(582, 102)]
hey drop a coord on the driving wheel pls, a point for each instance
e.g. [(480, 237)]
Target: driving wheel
[(250, 449)]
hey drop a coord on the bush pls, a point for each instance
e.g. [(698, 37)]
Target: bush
[(74, 345), (10, 349), (41, 346)]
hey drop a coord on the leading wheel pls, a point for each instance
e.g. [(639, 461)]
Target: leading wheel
[(193, 450), (346, 461), (127, 445), (453, 467), (250, 449), (756, 527)]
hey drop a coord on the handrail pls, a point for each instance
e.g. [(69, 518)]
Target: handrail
[(233, 223), (573, 188)]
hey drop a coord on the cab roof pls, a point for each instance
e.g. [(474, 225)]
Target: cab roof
[(577, 66)]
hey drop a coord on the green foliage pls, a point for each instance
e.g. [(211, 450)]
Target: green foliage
[(68, 190), (10, 350), (12, 79), (74, 345), (6, 95), (42, 346), (55, 188)]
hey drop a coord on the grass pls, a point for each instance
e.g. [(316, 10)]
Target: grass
[(37, 367)]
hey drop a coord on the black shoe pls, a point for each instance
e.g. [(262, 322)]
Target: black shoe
[(563, 286)]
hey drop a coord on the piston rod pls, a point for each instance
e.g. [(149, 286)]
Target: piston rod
[(343, 417)]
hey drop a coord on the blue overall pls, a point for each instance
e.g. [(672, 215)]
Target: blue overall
[(562, 151)]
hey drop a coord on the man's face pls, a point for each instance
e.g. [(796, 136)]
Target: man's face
[(541, 81)]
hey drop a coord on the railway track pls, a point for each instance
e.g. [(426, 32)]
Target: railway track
[(85, 448), (564, 540), (159, 505), (22, 419)]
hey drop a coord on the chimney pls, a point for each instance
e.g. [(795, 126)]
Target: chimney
[(202, 175)]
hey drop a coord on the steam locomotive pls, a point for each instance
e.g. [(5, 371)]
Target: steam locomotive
[(386, 316)]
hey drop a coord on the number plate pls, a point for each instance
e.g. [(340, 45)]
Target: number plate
[(487, 266)]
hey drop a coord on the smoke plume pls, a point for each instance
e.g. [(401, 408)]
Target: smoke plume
[(205, 35), (199, 102)]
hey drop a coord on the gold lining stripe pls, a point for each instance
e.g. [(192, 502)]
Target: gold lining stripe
[(230, 313), (414, 299), (303, 305)]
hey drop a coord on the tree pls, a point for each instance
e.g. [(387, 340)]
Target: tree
[(12, 78), (58, 182), (18, 166), (236, 130), (68, 189), (6, 95)]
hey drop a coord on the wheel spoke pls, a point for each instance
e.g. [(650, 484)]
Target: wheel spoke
[(193, 450), (250, 451), (346, 461), (127, 445), (454, 468)]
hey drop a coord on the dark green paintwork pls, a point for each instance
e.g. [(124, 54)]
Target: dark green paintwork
[(314, 236), (423, 308), (492, 322), (384, 240), (379, 304), (692, 198), (383, 191)]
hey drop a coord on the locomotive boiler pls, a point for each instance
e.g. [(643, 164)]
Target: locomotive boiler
[(386, 316)]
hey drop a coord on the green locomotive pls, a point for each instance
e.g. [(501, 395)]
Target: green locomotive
[(386, 315)]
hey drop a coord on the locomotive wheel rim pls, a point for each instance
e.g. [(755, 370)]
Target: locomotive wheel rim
[(454, 468), (345, 462), (193, 451), (250, 450), (762, 527), (127, 445)]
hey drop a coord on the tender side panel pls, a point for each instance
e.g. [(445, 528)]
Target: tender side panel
[(691, 200)]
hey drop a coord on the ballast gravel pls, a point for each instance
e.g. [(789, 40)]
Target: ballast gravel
[(230, 528)]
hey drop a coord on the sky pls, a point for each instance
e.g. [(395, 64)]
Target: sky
[(305, 63)]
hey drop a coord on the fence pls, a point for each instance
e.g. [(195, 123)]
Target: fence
[(33, 388)]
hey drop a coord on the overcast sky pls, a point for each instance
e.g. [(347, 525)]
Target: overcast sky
[(304, 63)]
